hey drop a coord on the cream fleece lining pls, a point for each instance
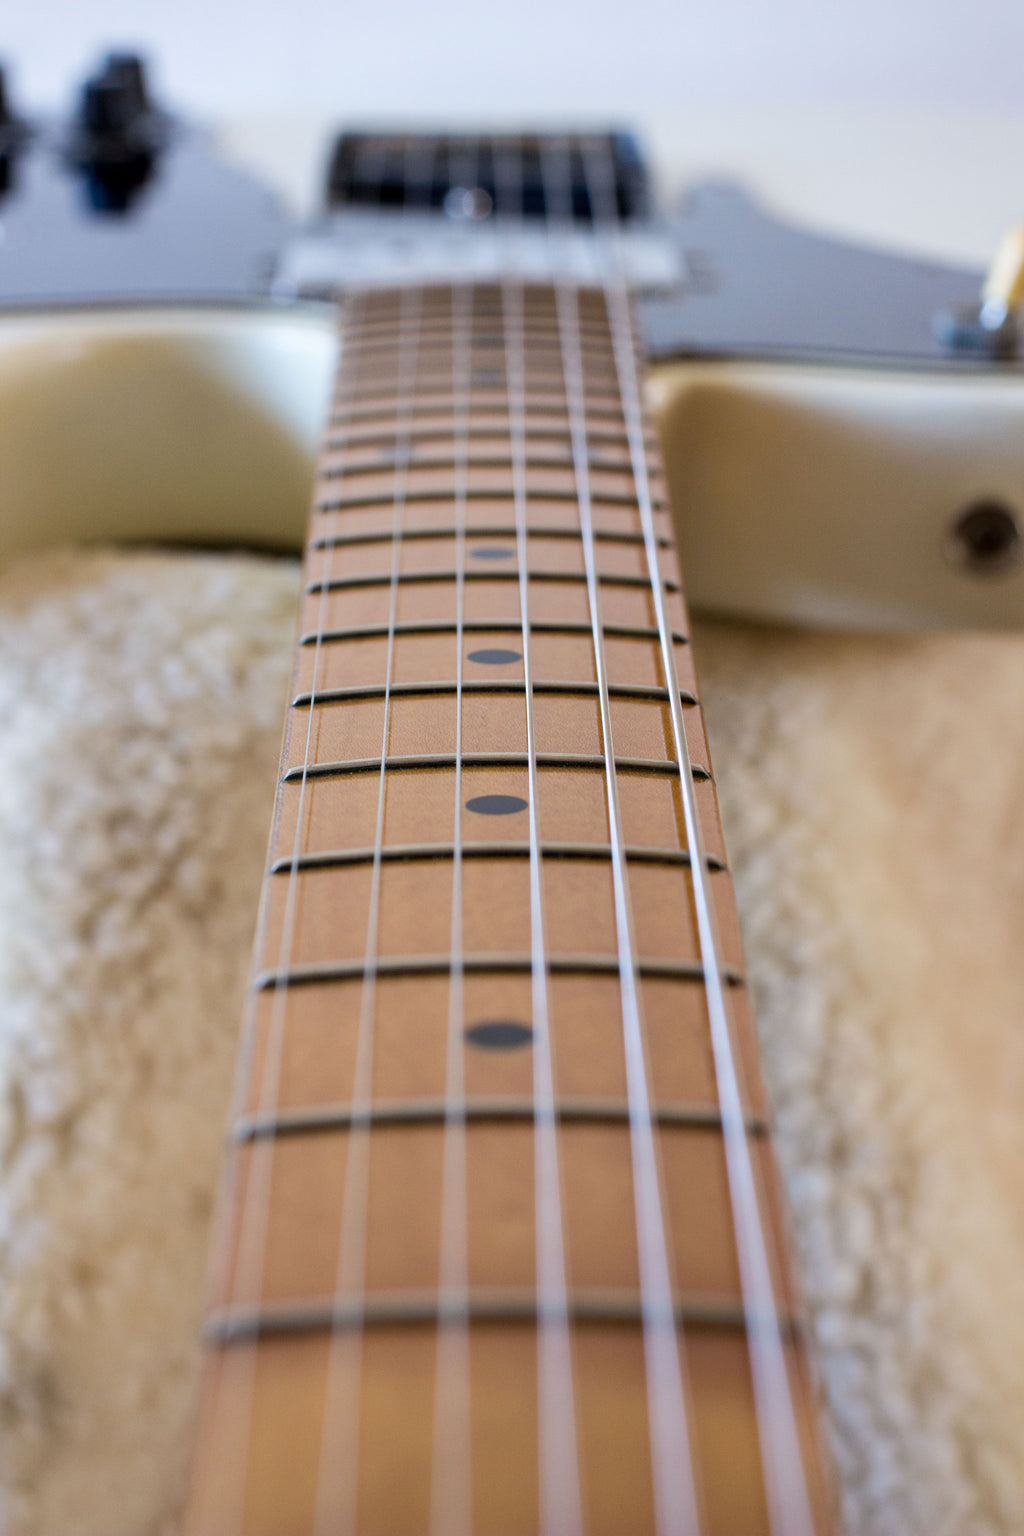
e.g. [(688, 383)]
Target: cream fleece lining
[(873, 793)]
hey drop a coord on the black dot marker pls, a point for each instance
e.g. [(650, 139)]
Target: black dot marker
[(495, 656), (496, 805), (500, 1035), (492, 552)]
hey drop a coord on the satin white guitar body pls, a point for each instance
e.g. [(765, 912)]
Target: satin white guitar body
[(823, 447)]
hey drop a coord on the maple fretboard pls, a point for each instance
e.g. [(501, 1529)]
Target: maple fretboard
[(486, 1258)]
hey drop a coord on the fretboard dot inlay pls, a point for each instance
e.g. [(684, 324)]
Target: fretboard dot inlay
[(492, 552), (500, 1035), (494, 656), (496, 805)]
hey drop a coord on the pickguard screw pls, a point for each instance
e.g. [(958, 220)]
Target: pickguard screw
[(985, 538)]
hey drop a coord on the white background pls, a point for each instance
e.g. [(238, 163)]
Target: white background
[(899, 119), (618, 56)]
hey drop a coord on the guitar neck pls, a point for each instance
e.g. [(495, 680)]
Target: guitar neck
[(499, 1248)]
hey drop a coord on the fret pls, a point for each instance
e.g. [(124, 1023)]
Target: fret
[(485, 490), (332, 1117), (486, 626), (490, 576), (485, 389), (450, 687), (405, 762), (436, 338), (487, 559), (483, 332), (487, 525), (375, 336), (490, 455), (437, 427), (426, 402), (375, 341), (484, 578), (379, 365), (485, 416), (306, 973), (608, 449), (536, 326), (603, 405), (433, 515), (483, 530), (553, 537), (400, 852), (485, 385), (379, 307), (404, 1309), (481, 921)]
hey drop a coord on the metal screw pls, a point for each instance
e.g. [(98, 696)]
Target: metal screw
[(467, 203), (985, 538)]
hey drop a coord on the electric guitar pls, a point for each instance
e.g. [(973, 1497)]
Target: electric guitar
[(500, 1246)]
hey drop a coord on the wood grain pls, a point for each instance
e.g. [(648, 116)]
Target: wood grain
[(347, 1057)]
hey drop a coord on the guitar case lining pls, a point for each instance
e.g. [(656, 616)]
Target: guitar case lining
[(873, 793)]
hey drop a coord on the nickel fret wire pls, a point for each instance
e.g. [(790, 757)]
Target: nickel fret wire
[(337, 1477), (249, 1267), (558, 1451), (673, 1472), (785, 1480), (451, 1512)]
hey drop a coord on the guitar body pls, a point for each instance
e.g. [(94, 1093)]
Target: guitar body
[(789, 708)]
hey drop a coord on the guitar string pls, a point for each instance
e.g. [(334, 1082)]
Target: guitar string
[(250, 1257), (560, 1495), (785, 1483), (672, 1466), (337, 1473), (268, 1075), (451, 1473)]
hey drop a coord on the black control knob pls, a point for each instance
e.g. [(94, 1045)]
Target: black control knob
[(13, 131), (116, 135), (116, 116), (128, 70), (107, 114), (12, 127)]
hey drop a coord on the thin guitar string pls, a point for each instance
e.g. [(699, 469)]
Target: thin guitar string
[(253, 1226), (451, 1475), (672, 1466), (785, 1482), (560, 1494), (337, 1474)]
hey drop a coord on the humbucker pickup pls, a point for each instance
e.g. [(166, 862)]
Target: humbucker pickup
[(435, 170)]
